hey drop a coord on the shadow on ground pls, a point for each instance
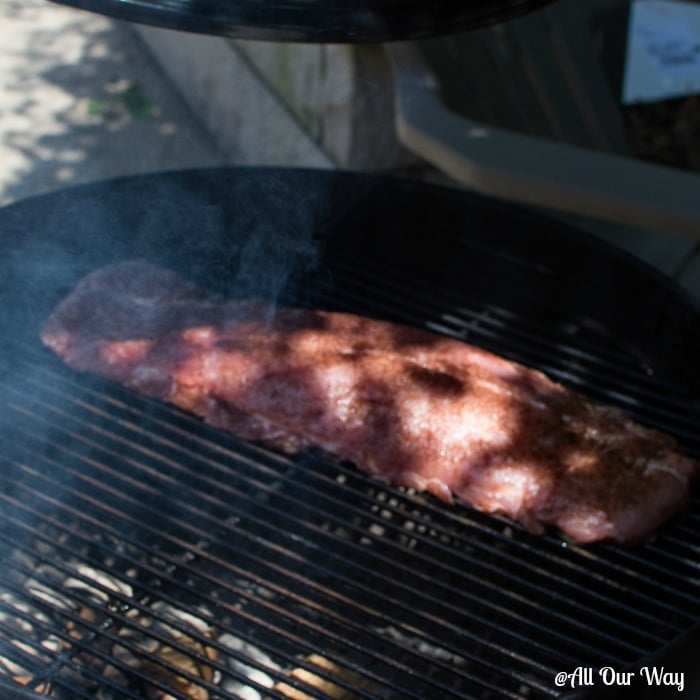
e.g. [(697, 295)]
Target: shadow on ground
[(82, 101)]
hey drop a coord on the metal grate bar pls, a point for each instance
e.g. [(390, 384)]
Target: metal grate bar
[(655, 410), (398, 286), (80, 645), (49, 674), (157, 593), (462, 653), (277, 610), (179, 565), (399, 291), (131, 604), (527, 346), (527, 550), (413, 296), (456, 593), (468, 561), (550, 552), (635, 561), (34, 676), (555, 545), (116, 617), (113, 615)]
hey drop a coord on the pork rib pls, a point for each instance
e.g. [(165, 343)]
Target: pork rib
[(415, 408)]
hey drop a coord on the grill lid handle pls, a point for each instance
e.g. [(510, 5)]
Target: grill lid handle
[(532, 170)]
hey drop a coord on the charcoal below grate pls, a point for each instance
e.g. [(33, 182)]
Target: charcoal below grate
[(69, 629)]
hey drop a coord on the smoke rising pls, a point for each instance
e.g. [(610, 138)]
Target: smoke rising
[(253, 238), (243, 233), (267, 253)]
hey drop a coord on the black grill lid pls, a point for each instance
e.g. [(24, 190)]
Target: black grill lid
[(340, 21), (117, 511)]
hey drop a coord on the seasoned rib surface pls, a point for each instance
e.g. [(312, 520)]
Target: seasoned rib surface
[(412, 407)]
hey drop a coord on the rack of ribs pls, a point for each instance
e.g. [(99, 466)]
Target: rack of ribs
[(414, 408)]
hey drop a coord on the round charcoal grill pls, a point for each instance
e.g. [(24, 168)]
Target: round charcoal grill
[(146, 554)]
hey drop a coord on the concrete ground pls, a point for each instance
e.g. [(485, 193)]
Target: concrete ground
[(82, 99)]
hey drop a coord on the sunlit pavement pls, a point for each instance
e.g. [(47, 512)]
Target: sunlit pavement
[(81, 100)]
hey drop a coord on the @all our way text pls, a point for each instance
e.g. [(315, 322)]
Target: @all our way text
[(607, 675)]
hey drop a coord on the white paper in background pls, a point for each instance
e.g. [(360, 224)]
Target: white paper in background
[(663, 51)]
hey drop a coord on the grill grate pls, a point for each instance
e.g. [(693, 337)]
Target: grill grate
[(148, 555)]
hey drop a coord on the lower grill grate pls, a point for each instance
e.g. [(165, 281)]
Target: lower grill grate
[(147, 555)]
